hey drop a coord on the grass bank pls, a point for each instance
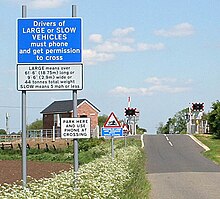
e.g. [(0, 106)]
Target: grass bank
[(214, 144)]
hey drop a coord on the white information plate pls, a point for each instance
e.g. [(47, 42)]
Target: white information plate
[(72, 128), (35, 77)]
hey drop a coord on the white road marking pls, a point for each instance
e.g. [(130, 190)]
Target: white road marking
[(199, 142), (142, 141), (170, 143)]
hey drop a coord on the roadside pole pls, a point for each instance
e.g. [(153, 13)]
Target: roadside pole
[(134, 127), (129, 124), (125, 132), (113, 152), (23, 128), (190, 120), (75, 141), (53, 133), (125, 139)]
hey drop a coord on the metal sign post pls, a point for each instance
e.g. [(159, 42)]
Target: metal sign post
[(113, 152), (75, 141), (23, 119)]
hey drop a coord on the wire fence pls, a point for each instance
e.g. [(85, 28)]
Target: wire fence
[(9, 138), (40, 134)]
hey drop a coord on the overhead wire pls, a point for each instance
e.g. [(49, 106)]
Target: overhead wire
[(20, 107)]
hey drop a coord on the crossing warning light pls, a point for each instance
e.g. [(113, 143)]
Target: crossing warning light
[(198, 106), (130, 111)]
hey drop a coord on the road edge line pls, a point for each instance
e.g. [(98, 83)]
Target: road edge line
[(142, 141), (199, 142)]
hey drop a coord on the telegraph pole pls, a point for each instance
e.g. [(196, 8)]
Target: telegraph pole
[(7, 123)]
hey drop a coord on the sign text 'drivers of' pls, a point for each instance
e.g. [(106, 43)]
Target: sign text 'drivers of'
[(49, 40)]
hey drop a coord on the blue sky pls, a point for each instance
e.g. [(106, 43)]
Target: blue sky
[(164, 54)]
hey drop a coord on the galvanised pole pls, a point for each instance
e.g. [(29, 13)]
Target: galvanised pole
[(23, 119), (75, 141)]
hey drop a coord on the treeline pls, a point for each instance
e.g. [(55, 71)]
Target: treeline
[(213, 118), (178, 123)]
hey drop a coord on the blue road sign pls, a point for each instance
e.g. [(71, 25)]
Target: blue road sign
[(49, 40), (112, 132)]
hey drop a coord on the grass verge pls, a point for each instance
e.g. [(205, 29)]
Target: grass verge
[(214, 144)]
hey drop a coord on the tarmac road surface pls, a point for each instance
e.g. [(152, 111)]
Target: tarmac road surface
[(177, 169)]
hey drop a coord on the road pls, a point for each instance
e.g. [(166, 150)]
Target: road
[(177, 169)]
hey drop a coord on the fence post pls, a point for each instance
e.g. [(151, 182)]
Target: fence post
[(53, 135)]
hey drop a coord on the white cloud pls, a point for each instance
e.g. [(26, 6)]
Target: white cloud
[(126, 91), (146, 46), (97, 38), (188, 81), (168, 89), (110, 47), (121, 32), (157, 80), (179, 30), (121, 42), (44, 4), (128, 40), (91, 57), (159, 85)]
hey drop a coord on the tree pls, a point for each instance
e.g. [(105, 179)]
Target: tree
[(2, 132), (214, 119), (37, 124), (101, 120), (141, 130), (178, 122), (164, 129), (160, 128)]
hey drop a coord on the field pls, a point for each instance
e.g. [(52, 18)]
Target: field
[(10, 160), (11, 170)]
